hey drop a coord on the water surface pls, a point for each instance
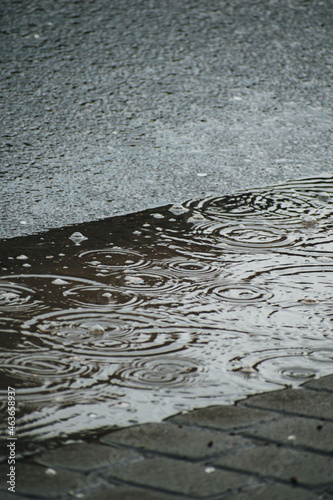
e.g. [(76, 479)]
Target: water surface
[(142, 316)]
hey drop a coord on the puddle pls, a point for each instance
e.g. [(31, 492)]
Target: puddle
[(134, 318)]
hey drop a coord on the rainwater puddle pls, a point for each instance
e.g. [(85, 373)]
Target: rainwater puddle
[(134, 318)]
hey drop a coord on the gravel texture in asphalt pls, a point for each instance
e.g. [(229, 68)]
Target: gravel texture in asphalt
[(111, 107)]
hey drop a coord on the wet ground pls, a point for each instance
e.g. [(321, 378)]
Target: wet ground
[(276, 446), (110, 107), (137, 317)]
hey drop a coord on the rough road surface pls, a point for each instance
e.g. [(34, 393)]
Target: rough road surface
[(113, 106)]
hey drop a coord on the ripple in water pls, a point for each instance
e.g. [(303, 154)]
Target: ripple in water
[(98, 295), (148, 282), (167, 372), (277, 364), (187, 268), (194, 305), (15, 297), (108, 333), (109, 260), (51, 380)]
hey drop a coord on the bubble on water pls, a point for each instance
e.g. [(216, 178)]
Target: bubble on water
[(178, 209), (324, 196), (77, 237), (59, 281), (196, 217), (310, 301), (96, 330), (309, 221), (22, 257)]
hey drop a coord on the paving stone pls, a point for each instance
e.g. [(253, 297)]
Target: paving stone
[(223, 417), (87, 457), (128, 493), (272, 491), (36, 481), (7, 495), (297, 431), (281, 462), (177, 476), (296, 401), (170, 439), (324, 384)]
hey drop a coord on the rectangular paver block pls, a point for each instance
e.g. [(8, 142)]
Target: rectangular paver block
[(181, 441), (87, 457), (321, 384), (288, 464), (38, 481), (178, 476), (297, 431), (296, 401), (130, 493), (223, 417), (273, 491)]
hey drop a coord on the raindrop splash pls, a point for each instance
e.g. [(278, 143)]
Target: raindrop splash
[(184, 306)]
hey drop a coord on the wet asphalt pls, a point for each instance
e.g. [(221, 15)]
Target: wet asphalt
[(110, 107)]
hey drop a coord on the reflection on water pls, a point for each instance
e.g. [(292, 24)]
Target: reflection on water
[(134, 318)]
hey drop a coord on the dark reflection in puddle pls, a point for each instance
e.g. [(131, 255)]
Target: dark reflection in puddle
[(133, 318)]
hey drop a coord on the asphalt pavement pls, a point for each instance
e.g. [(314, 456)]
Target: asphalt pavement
[(114, 106)]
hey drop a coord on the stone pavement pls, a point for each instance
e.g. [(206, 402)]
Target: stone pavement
[(274, 446)]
